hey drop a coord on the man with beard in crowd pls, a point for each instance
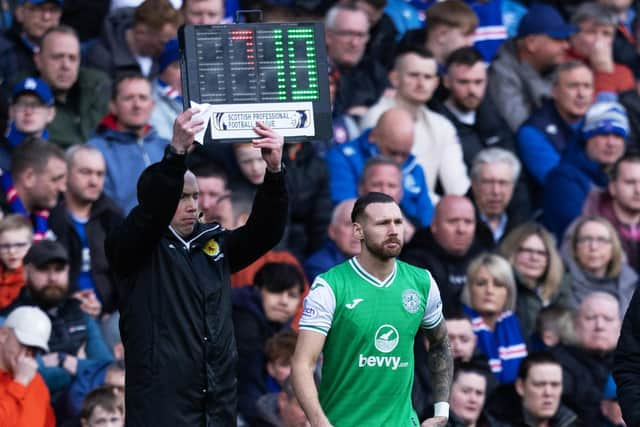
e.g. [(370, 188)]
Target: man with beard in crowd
[(446, 248), (75, 339)]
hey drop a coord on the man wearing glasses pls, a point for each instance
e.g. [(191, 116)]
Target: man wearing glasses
[(30, 113), (361, 82), (21, 42), (493, 176)]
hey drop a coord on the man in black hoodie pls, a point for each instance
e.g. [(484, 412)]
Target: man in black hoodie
[(446, 248)]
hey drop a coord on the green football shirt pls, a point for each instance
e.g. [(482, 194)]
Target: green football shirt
[(370, 326)]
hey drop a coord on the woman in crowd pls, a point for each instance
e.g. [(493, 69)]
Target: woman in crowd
[(538, 271), (489, 298), (596, 262)]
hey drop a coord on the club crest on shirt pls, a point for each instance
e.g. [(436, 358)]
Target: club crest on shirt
[(211, 248), (411, 301)]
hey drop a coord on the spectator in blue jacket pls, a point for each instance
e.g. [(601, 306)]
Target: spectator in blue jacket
[(556, 124), (127, 141), (584, 165), (340, 244), (392, 137)]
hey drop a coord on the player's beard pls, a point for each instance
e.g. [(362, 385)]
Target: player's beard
[(381, 251)]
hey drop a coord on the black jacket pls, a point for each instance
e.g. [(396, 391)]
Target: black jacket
[(485, 420), (488, 131), (584, 375), (626, 369), (506, 406), (175, 320), (448, 270), (103, 218)]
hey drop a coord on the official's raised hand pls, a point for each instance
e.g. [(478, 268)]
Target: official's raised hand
[(185, 129), (271, 145)]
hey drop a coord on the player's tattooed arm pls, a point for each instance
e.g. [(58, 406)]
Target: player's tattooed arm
[(439, 361)]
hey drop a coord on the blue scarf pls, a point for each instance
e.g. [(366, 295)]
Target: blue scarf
[(504, 346), (15, 137), (169, 91), (39, 218)]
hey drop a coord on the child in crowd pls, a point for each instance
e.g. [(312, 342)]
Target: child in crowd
[(554, 325), (259, 312), (278, 352), (16, 233), (104, 406)]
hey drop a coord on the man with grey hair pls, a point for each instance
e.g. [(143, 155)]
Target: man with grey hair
[(556, 124), (494, 174), (593, 44), (81, 222), (360, 81), (587, 364)]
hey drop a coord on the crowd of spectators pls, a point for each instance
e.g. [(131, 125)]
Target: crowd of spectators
[(506, 130)]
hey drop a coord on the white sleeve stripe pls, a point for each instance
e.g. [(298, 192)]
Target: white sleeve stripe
[(433, 307), (319, 306), (426, 325), (312, 328)]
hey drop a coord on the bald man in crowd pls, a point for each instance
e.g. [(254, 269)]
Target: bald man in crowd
[(446, 248), (392, 137)]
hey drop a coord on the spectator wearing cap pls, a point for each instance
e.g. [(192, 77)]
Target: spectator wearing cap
[(31, 111), (584, 165), (133, 39), (17, 47), (167, 91), (76, 341), (519, 79), (593, 44), (24, 397)]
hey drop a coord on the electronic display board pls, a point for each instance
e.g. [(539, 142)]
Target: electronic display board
[(272, 72)]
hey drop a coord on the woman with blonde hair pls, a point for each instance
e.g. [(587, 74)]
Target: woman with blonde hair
[(597, 262), (489, 298), (538, 270)]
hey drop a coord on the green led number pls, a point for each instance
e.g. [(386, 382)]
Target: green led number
[(308, 64)]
